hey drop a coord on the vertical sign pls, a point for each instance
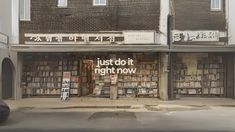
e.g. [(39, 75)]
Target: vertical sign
[(65, 86), (3, 41)]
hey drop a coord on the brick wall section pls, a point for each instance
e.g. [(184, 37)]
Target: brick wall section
[(81, 16), (197, 15)]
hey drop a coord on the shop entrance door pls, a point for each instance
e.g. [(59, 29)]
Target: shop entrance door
[(87, 77)]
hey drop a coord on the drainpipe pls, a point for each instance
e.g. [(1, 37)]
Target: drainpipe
[(163, 37)]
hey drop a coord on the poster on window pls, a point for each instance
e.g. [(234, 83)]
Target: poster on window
[(65, 85)]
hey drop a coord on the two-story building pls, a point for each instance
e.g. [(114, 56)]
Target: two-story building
[(202, 62), (71, 36)]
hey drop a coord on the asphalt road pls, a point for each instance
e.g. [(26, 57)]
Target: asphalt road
[(210, 120)]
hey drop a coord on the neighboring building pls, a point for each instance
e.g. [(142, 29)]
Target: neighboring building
[(202, 61), (8, 60), (231, 21)]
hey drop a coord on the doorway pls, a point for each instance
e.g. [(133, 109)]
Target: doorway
[(7, 79), (87, 77)]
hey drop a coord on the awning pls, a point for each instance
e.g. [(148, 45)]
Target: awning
[(89, 48)]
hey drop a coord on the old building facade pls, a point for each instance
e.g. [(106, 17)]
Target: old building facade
[(201, 59), (72, 37), (8, 58), (175, 48)]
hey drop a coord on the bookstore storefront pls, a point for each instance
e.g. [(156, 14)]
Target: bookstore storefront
[(199, 74), (133, 74)]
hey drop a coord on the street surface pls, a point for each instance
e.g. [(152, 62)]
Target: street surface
[(216, 119)]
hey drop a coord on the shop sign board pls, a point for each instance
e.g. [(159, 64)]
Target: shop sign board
[(125, 37), (3, 40), (195, 36), (142, 37), (65, 86), (79, 38), (113, 79)]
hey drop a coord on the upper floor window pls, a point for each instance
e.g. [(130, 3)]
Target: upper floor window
[(99, 2), (25, 10), (62, 3), (216, 5)]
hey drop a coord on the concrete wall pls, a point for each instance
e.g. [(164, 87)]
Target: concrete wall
[(16, 67), (9, 19), (5, 28), (9, 25), (5, 17), (231, 21)]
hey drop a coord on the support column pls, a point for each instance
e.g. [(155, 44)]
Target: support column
[(1, 77), (163, 88), (230, 75), (17, 68), (14, 37), (113, 88), (234, 75), (18, 76)]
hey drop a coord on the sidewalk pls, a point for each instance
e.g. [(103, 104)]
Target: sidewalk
[(137, 104)]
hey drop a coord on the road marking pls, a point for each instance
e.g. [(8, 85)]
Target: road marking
[(169, 113)]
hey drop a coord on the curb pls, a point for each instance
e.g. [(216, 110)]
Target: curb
[(93, 107), (149, 108), (175, 107)]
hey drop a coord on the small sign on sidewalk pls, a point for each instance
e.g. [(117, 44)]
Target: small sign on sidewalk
[(65, 86)]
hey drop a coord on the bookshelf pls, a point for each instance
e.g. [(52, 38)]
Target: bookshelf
[(207, 81), (144, 83), (43, 75)]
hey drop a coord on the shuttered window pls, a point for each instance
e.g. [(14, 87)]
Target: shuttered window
[(99, 2), (216, 5), (25, 14), (62, 3)]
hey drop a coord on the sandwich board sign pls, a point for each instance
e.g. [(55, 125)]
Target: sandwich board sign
[(65, 86)]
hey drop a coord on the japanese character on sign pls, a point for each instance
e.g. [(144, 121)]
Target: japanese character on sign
[(49, 38), (73, 37), (179, 37), (99, 38), (59, 38), (36, 39), (85, 38), (191, 37), (111, 39)]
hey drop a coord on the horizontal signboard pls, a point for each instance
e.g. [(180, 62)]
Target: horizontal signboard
[(3, 38), (126, 37), (145, 37), (195, 36), (89, 38)]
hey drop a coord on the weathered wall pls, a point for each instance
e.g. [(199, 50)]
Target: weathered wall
[(197, 15), (9, 20), (230, 75), (231, 21), (5, 17), (81, 16)]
